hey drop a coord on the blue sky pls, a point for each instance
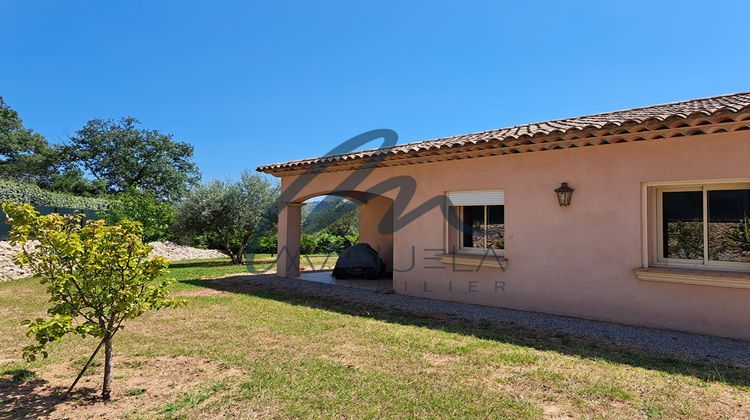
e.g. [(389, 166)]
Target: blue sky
[(249, 83)]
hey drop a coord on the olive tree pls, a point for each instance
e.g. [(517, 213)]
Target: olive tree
[(97, 276), (230, 214)]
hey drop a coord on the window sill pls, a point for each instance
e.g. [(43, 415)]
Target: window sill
[(730, 279), (475, 261)]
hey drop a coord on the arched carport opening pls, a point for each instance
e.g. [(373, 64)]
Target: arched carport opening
[(375, 228)]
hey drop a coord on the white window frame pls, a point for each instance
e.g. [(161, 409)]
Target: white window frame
[(658, 234), (461, 199)]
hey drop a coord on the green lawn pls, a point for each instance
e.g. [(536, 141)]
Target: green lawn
[(244, 349), (265, 263)]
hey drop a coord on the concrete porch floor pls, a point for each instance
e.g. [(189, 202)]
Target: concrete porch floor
[(381, 285)]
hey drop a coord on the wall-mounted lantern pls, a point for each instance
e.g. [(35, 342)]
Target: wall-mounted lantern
[(564, 193)]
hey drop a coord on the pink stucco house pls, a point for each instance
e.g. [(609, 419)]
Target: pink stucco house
[(656, 232)]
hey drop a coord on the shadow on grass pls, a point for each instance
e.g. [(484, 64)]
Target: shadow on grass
[(509, 332), (265, 262), (24, 395), (202, 263)]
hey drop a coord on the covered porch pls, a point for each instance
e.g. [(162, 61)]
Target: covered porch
[(375, 229)]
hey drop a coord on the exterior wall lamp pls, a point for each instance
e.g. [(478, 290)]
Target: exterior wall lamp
[(564, 193)]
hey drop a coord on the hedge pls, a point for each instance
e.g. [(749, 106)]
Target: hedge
[(32, 194), (323, 243)]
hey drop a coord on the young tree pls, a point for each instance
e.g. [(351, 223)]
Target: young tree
[(97, 276), (230, 213), (126, 157)]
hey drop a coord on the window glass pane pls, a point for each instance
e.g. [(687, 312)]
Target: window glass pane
[(728, 225), (473, 231), (683, 225), (496, 227)]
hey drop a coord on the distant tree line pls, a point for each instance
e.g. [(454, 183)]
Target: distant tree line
[(104, 157), (132, 173)]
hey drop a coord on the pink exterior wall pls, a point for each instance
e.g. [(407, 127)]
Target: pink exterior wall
[(575, 261), (370, 216)]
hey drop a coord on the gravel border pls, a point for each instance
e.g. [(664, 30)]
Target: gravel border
[(670, 343)]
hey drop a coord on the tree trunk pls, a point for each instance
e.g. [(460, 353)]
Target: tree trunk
[(107, 386), (236, 258)]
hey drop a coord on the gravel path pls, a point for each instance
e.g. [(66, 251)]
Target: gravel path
[(684, 345)]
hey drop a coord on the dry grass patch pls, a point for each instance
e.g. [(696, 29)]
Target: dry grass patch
[(244, 347), (141, 385)]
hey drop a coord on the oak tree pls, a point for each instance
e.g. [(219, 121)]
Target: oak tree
[(125, 157)]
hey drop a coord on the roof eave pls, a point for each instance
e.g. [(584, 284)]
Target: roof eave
[(678, 124)]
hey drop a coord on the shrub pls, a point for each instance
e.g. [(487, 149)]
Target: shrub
[(267, 244), (308, 244), (154, 215), (352, 239), (330, 244), (686, 240)]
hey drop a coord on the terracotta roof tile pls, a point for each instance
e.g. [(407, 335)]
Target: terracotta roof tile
[(505, 136)]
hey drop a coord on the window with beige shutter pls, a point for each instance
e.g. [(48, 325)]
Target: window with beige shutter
[(476, 222)]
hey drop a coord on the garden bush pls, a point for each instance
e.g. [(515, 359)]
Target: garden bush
[(324, 243), (154, 215), (308, 244), (331, 244), (267, 244)]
